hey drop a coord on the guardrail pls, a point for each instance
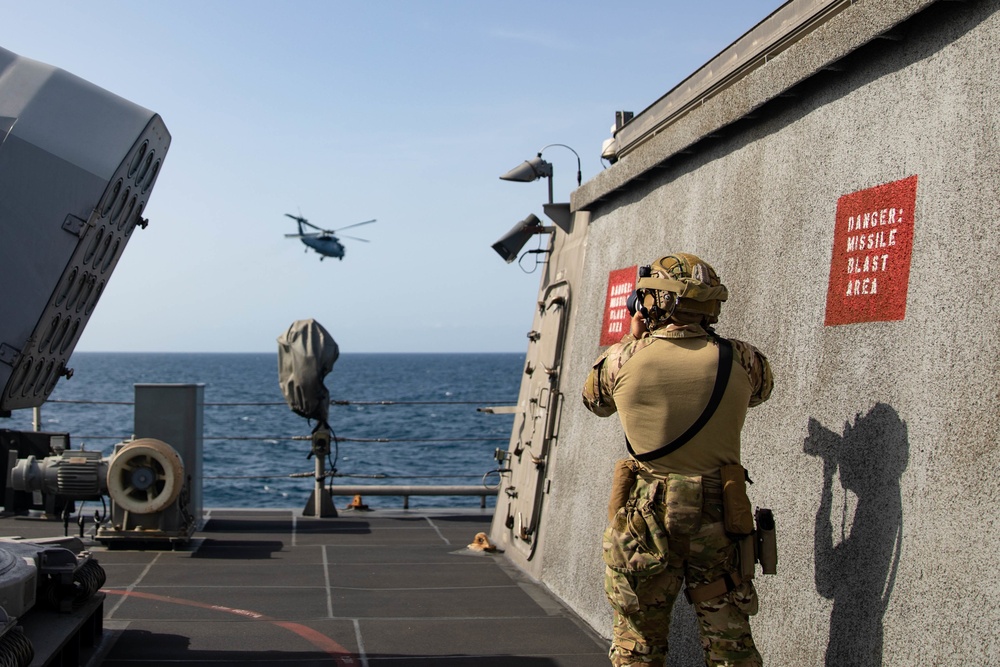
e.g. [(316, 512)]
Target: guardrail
[(412, 490)]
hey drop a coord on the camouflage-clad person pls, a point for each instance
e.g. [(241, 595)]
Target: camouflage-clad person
[(682, 414)]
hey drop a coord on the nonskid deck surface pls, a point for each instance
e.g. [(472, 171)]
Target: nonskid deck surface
[(380, 588)]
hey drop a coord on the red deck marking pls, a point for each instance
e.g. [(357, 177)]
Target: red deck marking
[(314, 637)]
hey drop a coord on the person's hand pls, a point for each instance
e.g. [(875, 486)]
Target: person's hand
[(637, 327)]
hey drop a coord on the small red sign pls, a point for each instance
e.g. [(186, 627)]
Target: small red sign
[(621, 283), (872, 244)]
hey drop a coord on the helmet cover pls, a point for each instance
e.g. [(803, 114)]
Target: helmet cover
[(681, 289)]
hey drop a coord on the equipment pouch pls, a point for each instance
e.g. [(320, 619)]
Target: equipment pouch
[(767, 541), (621, 485), (634, 542), (684, 504), (736, 511)]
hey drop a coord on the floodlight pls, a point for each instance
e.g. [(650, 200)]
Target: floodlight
[(536, 167), (526, 172), (529, 170), (511, 243)]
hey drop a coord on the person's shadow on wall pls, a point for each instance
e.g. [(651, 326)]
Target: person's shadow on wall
[(856, 567)]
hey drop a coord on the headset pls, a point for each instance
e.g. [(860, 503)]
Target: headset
[(634, 301)]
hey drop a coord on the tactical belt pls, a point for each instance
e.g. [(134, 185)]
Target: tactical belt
[(721, 380)]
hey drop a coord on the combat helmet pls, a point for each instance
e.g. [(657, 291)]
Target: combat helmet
[(680, 288)]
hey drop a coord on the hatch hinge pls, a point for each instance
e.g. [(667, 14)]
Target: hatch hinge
[(8, 354), (74, 225)]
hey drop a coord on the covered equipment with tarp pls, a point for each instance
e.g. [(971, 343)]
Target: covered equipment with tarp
[(306, 354)]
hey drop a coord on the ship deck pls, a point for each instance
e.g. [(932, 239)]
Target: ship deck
[(378, 588)]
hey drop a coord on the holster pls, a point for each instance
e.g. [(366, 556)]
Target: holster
[(621, 484), (767, 541), (759, 546)]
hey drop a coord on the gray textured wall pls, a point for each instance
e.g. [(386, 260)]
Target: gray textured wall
[(877, 450)]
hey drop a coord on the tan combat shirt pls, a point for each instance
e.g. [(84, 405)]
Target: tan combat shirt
[(660, 385)]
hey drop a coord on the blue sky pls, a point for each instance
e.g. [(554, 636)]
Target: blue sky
[(407, 112)]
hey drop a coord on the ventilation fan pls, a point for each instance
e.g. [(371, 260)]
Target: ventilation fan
[(144, 478)]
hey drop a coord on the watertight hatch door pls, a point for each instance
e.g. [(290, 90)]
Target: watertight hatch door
[(536, 424)]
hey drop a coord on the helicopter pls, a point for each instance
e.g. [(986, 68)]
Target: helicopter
[(323, 241)]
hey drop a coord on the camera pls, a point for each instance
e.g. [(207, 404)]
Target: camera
[(633, 303)]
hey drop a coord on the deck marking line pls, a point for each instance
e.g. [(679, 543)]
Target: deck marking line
[(340, 654), (361, 644), (440, 534), (295, 530), (131, 587), (326, 577)]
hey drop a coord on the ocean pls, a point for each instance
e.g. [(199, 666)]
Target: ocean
[(433, 434)]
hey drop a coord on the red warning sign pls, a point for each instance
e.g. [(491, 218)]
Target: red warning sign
[(872, 244), (621, 283)]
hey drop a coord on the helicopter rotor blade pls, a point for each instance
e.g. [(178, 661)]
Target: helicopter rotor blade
[(299, 219), (357, 224), (354, 238)]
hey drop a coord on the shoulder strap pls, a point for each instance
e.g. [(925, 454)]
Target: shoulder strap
[(721, 380)]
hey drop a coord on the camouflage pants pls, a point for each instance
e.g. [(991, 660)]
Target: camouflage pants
[(646, 568)]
